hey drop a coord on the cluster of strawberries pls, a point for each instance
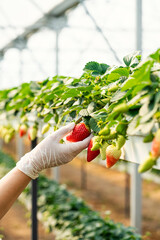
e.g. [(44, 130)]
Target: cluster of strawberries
[(32, 131), (98, 144)]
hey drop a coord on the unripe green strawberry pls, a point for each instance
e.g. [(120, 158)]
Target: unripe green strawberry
[(80, 132), (147, 164), (91, 154), (120, 141), (113, 88), (96, 143), (105, 100), (112, 135), (112, 155), (155, 148), (3, 132), (24, 119), (103, 150), (121, 108), (148, 138), (45, 128), (8, 137), (32, 133), (104, 131)]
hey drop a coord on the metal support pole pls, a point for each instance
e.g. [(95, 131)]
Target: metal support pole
[(136, 198), (136, 182), (56, 170), (34, 202), (139, 25)]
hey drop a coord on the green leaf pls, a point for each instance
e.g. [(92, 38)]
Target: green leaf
[(156, 56), (48, 97), (121, 71), (128, 60), (122, 127), (71, 92), (113, 77), (96, 68), (48, 117), (34, 86), (117, 96), (92, 66), (93, 125), (140, 77), (91, 107)]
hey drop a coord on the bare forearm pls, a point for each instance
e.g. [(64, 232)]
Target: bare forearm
[(11, 187)]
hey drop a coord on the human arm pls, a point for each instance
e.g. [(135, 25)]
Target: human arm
[(11, 187), (48, 153)]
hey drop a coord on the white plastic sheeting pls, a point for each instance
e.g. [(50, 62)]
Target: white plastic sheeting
[(79, 40)]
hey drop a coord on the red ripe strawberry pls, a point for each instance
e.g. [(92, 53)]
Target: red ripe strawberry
[(22, 130), (112, 155), (80, 132), (91, 154), (155, 149)]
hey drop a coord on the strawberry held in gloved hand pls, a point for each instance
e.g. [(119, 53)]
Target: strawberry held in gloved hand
[(50, 152), (79, 132)]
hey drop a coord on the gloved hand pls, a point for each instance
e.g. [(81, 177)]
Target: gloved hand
[(50, 153)]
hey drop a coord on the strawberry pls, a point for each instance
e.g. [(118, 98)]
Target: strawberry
[(103, 150), (96, 143), (104, 131), (147, 164), (24, 119), (112, 155), (121, 108), (32, 133), (45, 128), (91, 154), (155, 148), (23, 130), (80, 132), (120, 141)]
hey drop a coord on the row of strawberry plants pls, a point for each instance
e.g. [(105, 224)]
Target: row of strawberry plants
[(67, 215), (113, 102)]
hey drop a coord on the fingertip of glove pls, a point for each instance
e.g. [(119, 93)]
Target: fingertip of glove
[(71, 125)]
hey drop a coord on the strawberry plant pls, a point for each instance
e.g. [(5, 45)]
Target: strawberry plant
[(114, 102)]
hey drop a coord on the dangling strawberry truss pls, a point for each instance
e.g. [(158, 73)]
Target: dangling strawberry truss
[(112, 103)]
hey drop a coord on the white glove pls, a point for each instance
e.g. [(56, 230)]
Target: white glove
[(50, 153)]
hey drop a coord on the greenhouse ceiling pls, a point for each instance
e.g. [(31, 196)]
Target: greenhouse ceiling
[(42, 38)]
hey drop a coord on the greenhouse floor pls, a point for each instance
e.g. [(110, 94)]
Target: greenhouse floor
[(15, 225)]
